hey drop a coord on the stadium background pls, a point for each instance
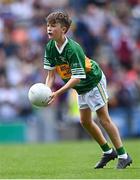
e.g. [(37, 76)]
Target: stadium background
[(109, 32)]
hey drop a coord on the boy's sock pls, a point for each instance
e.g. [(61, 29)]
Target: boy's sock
[(106, 148), (121, 153)]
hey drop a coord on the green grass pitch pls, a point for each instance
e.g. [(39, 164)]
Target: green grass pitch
[(63, 160)]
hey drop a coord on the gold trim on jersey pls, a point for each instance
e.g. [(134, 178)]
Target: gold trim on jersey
[(64, 71), (88, 64)]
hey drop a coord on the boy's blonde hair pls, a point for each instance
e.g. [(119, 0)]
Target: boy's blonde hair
[(59, 17)]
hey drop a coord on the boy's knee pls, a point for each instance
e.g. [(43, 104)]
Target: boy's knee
[(106, 122), (85, 122)]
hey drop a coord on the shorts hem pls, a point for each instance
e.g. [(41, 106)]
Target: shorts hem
[(98, 107), (83, 107)]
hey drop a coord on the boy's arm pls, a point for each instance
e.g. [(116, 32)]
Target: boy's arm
[(50, 78), (71, 83)]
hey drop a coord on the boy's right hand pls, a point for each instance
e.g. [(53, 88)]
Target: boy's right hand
[(53, 97)]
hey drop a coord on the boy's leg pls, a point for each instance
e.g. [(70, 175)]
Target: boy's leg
[(112, 131), (95, 132), (90, 126), (109, 126)]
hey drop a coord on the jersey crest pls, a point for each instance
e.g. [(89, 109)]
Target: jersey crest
[(64, 71)]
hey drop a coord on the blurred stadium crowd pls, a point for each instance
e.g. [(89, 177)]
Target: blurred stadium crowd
[(109, 32)]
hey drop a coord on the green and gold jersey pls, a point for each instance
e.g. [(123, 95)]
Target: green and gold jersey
[(71, 62)]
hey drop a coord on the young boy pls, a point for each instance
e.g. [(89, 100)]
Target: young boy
[(66, 57)]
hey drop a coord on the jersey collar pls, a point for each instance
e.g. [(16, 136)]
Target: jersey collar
[(60, 50)]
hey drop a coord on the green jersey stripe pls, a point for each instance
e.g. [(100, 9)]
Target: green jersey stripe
[(77, 71), (79, 76), (48, 67)]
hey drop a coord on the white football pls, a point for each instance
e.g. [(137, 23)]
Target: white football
[(39, 94)]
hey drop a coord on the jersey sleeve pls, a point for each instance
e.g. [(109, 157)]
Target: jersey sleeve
[(77, 64), (48, 60)]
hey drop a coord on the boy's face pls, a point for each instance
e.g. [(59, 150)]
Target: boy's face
[(55, 31)]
